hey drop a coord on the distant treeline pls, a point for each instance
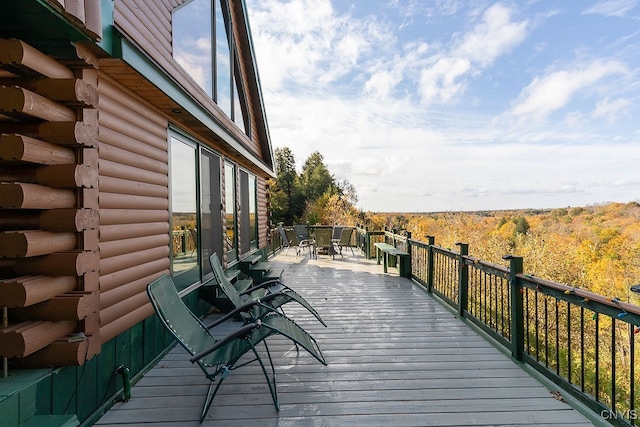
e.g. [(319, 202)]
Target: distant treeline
[(593, 247)]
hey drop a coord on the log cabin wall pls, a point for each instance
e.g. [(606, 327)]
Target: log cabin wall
[(134, 206), (58, 177), (48, 208), (84, 197)]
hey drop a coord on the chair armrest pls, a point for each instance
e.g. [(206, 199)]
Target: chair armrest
[(254, 288), (244, 307), (243, 331), (267, 284), (259, 286)]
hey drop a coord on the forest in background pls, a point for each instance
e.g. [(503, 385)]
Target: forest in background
[(594, 247)]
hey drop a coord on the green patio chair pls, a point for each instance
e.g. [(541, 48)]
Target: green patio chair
[(288, 240), (269, 296), (324, 241), (219, 357), (345, 239)]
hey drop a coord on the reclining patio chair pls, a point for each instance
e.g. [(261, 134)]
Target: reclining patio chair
[(269, 296), (218, 357)]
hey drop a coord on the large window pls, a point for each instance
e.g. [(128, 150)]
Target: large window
[(248, 212), (184, 220), (197, 229), (253, 211), (223, 61), (203, 44), (210, 209), (192, 48)]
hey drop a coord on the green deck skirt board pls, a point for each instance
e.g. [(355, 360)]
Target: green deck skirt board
[(51, 421), (18, 394)]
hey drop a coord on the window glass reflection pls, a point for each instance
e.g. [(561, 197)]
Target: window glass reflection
[(223, 60), (253, 212), (183, 207), (230, 209), (192, 49)]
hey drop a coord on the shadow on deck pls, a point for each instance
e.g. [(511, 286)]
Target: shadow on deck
[(395, 357)]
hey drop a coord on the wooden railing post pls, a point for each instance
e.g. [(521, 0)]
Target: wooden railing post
[(431, 240), (517, 306), (463, 279)]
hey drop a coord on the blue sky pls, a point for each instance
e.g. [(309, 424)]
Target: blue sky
[(449, 105)]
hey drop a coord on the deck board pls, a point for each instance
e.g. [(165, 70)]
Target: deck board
[(395, 357)]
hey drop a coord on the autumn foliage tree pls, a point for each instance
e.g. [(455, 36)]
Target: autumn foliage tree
[(593, 247)]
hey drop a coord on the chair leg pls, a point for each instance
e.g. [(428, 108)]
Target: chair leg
[(210, 396), (273, 386)]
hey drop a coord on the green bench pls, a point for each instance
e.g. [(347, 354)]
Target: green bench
[(393, 256)]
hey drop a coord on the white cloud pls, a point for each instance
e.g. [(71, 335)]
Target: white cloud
[(611, 109), (495, 35), (491, 38), (617, 8), (349, 85), (554, 91), (305, 42), (440, 82), (381, 83)]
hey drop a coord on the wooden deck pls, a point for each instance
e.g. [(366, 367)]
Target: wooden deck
[(395, 357)]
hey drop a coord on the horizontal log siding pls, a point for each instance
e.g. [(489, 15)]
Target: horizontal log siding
[(48, 192), (153, 35), (86, 12), (134, 206), (263, 215)]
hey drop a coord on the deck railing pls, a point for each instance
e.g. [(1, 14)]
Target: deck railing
[(583, 342)]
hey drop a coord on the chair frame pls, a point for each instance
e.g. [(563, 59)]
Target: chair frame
[(269, 296), (218, 358)]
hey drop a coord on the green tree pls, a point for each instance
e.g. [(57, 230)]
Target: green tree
[(316, 180), (287, 200), (314, 196), (522, 225)]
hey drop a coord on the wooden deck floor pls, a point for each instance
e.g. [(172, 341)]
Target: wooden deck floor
[(396, 357)]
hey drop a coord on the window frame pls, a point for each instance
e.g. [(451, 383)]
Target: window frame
[(237, 96)]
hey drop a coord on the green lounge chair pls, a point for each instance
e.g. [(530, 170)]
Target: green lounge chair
[(269, 296), (218, 358)]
